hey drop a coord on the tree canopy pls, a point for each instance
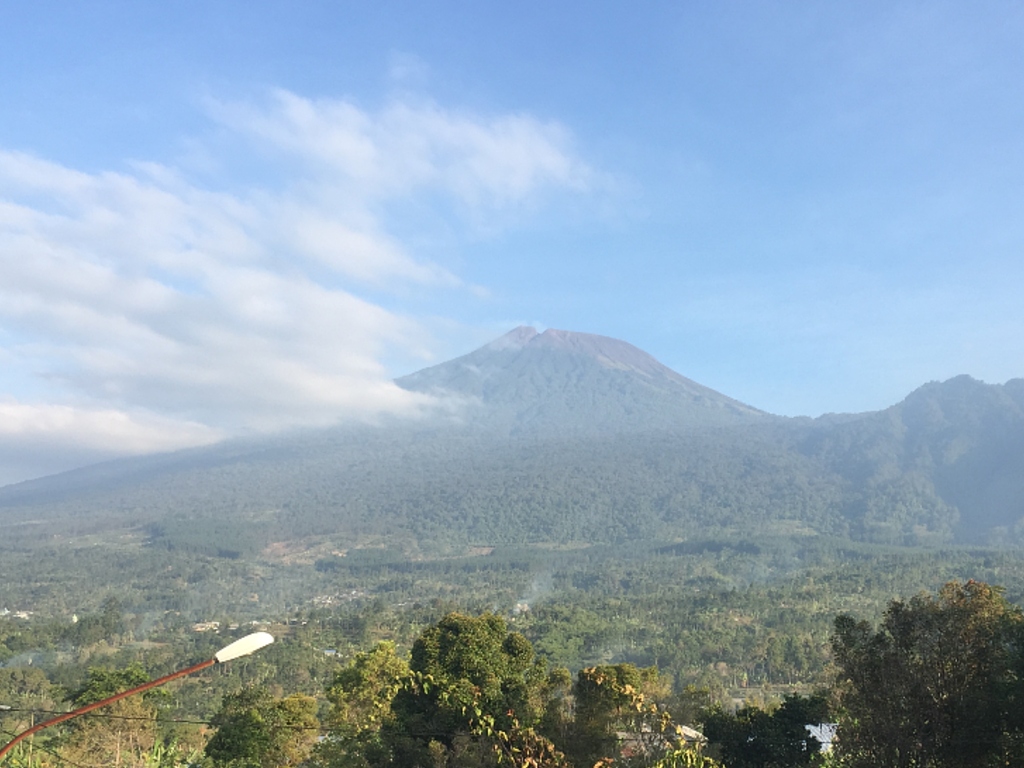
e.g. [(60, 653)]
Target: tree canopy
[(257, 730), (935, 685)]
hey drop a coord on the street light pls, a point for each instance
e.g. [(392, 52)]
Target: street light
[(241, 647)]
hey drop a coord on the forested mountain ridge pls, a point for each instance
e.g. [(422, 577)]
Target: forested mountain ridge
[(560, 437), (949, 457)]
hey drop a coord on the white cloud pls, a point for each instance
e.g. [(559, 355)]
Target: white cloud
[(38, 439), (214, 312), (109, 431), (481, 161)]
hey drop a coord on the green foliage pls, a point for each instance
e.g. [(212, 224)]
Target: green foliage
[(942, 466), (687, 756), (25, 756), (362, 692), (172, 754), (500, 666), (257, 730), (941, 672), (617, 711), (26, 687), (123, 733), (754, 738), (361, 714), (102, 625), (103, 683), (469, 667), (515, 745), (471, 695), (936, 685)]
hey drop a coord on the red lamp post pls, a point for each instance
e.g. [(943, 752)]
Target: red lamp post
[(241, 647)]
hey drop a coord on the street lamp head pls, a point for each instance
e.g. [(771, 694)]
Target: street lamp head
[(243, 646)]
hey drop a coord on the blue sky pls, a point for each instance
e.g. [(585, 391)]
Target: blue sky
[(219, 218)]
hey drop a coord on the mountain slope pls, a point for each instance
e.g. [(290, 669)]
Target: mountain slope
[(949, 457), (566, 437), (560, 382), (557, 439)]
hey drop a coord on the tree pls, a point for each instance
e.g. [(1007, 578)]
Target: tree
[(473, 663), (686, 756), (480, 653), (473, 694), (92, 628), (754, 738), (122, 734), (24, 689), (613, 700), (257, 730), (360, 699), (934, 685)]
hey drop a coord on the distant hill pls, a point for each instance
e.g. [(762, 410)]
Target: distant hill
[(561, 437), (949, 457)]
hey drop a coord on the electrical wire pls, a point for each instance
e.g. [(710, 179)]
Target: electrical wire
[(155, 718), (49, 751)]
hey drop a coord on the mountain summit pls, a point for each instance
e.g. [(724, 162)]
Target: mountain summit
[(562, 381), (562, 438)]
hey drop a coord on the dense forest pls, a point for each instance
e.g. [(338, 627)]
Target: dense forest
[(574, 440), (933, 683), (585, 561)]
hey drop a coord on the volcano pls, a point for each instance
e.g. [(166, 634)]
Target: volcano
[(563, 382)]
